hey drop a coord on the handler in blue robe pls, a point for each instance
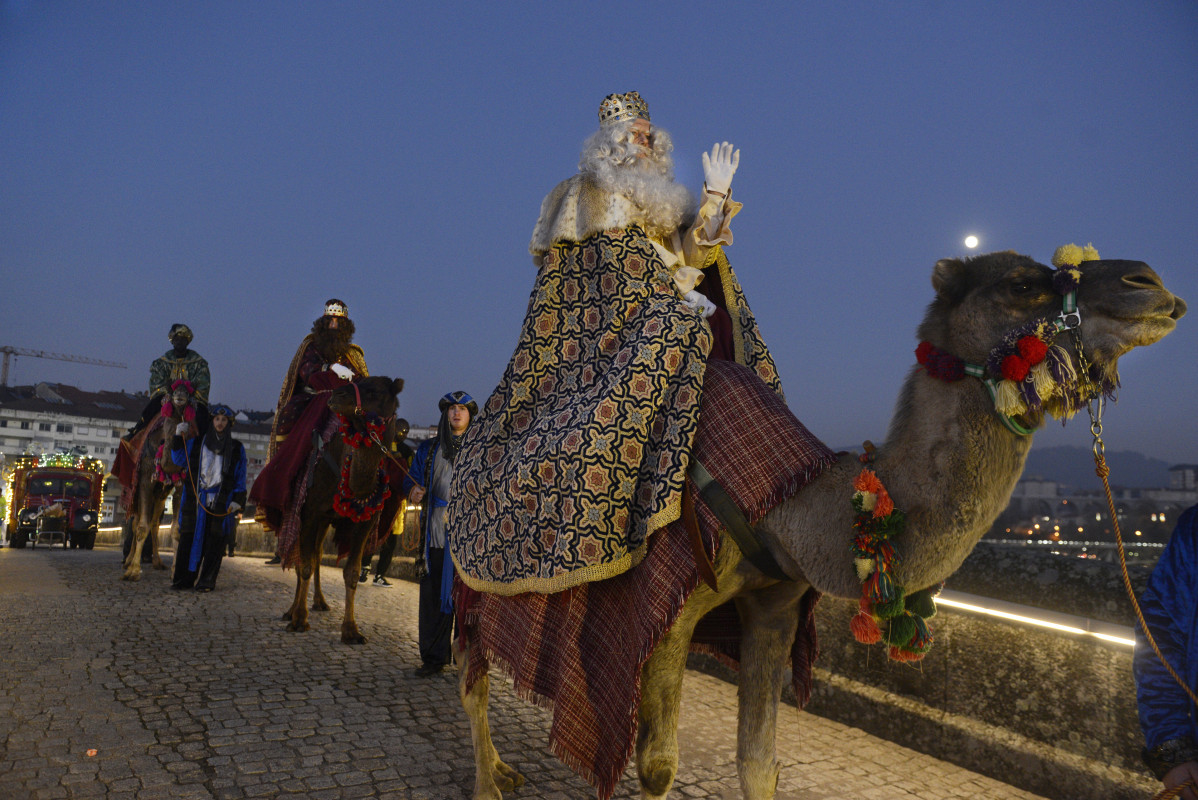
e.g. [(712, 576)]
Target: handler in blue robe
[(428, 482), (213, 466)]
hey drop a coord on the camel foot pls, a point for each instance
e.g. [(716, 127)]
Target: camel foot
[(352, 636), (506, 778), (298, 627), (131, 575), (287, 615), (320, 605), (158, 563)]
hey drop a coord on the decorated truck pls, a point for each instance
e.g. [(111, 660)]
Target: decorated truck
[(56, 496)]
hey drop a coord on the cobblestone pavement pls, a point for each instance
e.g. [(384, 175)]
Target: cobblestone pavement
[(129, 690)]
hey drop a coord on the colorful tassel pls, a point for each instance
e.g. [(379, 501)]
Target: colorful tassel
[(1007, 399), (865, 629)]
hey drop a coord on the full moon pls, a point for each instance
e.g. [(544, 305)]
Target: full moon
[(971, 241)]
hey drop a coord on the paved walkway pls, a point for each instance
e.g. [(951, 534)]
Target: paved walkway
[(119, 690)]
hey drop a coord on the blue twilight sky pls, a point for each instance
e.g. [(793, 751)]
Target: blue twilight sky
[(231, 165)]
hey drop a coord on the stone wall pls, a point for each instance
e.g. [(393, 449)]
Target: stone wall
[(1051, 712)]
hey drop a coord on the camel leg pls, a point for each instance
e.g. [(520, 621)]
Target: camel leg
[(353, 565), (661, 682), (133, 560), (147, 522), (492, 777), (299, 608), (155, 557), (769, 618), (318, 601), (310, 536)]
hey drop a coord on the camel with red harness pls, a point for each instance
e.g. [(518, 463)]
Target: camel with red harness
[(1005, 342), (348, 490), (156, 476)]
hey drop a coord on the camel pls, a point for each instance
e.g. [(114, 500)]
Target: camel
[(366, 402), (949, 462), (150, 494)]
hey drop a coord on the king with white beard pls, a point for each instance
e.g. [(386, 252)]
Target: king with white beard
[(580, 453)]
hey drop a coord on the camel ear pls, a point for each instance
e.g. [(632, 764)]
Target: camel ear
[(948, 278), (397, 385)]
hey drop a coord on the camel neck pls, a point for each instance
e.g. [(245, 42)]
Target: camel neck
[(950, 464)]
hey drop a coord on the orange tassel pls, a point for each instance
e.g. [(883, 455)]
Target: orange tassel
[(865, 629)]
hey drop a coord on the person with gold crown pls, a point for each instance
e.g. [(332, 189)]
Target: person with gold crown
[(580, 454), (326, 359)]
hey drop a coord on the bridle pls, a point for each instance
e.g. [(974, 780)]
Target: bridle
[(948, 367), (370, 429), (1068, 320)]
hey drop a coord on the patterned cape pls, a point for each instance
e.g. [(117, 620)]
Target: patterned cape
[(581, 451)]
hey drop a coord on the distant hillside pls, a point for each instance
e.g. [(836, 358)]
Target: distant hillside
[(1074, 466)]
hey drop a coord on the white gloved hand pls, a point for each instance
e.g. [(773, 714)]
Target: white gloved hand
[(342, 371), (182, 428), (699, 302), (720, 166), (234, 508)]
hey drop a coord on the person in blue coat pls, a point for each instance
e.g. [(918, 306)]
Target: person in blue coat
[(214, 466), (1168, 716), (428, 482)]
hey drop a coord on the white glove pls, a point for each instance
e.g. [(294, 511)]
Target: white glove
[(699, 302), (182, 428), (234, 508), (342, 371), (720, 166)]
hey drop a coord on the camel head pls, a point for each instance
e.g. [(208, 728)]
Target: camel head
[(375, 396), (987, 307)]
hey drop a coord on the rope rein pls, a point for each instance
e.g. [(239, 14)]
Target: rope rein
[(1170, 794)]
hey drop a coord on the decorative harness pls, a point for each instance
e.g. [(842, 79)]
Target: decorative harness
[(344, 501)]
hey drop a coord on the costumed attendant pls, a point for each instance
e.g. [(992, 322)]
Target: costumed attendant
[(326, 359), (428, 481), (178, 363), (213, 466), (1168, 715), (580, 454)]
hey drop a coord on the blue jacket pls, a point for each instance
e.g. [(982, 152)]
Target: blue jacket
[(421, 474), (1170, 606)]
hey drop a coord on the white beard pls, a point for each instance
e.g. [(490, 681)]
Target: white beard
[(665, 205)]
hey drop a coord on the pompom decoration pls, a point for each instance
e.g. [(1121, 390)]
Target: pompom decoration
[(1014, 368), (1031, 349), (1068, 255), (884, 605), (938, 363), (865, 629), (923, 602)]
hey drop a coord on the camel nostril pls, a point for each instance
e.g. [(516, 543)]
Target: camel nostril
[(1144, 280)]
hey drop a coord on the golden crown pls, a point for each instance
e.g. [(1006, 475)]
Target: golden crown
[(620, 107), (334, 308)]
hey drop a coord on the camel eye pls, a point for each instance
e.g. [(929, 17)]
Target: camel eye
[(1022, 287)]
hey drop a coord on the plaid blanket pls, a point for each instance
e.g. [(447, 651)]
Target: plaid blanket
[(580, 651)]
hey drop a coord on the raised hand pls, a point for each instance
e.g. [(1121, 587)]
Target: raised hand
[(719, 166)]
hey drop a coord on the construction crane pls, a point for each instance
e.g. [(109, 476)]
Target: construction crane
[(9, 352)]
